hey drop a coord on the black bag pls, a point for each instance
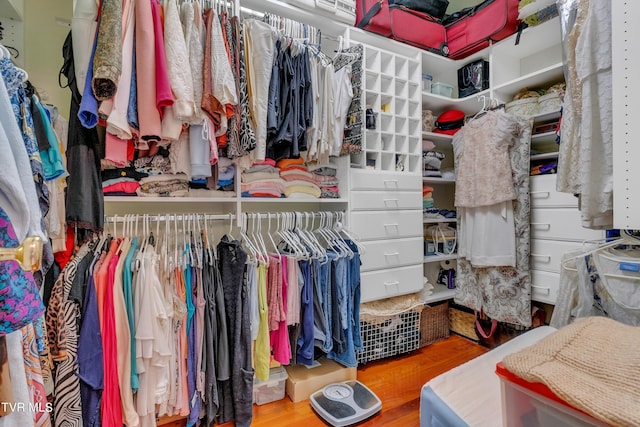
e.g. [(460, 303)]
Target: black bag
[(473, 78), (435, 8)]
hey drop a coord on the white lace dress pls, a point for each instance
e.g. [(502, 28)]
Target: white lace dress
[(485, 190), (585, 164)]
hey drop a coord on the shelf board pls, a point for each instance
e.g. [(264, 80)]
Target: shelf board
[(546, 117), (545, 76), (439, 103), (436, 180), (437, 137), (185, 199), (438, 258), (543, 138), (439, 220), (440, 293), (293, 200), (544, 156)]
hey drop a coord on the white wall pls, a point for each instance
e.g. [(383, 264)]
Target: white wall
[(43, 39)]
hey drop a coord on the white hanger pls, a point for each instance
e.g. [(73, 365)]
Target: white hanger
[(625, 239), (230, 227), (245, 238), (275, 247), (340, 228)]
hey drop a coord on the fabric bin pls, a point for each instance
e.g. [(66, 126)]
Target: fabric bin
[(434, 323), (549, 103), (272, 389), (442, 89), (527, 107)]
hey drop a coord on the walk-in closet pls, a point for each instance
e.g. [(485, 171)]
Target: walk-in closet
[(318, 212)]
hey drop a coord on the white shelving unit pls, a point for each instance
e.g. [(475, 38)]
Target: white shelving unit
[(438, 258), (439, 293), (439, 220), (391, 83)]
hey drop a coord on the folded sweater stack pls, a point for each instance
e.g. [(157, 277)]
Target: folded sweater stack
[(325, 177), (427, 197), (166, 185), (121, 181), (262, 179), (298, 181)]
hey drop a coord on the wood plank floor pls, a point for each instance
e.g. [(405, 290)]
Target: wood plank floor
[(396, 381)]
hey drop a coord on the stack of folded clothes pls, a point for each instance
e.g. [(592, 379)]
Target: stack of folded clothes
[(432, 161), (165, 185), (324, 175), (153, 165), (436, 213), (121, 181), (262, 179), (427, 197), (298, 181), (226, 174)]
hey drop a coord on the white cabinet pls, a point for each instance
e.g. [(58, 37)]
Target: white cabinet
[(556, 229), (386, 214)]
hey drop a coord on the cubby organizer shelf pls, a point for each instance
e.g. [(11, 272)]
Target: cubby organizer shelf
[(391, 82)]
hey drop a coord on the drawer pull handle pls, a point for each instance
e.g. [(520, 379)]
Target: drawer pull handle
[(542, 289), (546, 257), (541, 224), (392, 254), (394, 201), (394, 283), (391, 225), (546, 193), (390, 181)]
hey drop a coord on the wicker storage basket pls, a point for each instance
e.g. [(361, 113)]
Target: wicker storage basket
[(462, 322), (527, 107), (549, 103), (434, 323)]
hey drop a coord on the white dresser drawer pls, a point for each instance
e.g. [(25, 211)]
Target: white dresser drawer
[(544, 286), (386, 224), (547, 254), (543, 193), (381, 254), (368, 180), (561, 224), (383, 284), (385, 200)]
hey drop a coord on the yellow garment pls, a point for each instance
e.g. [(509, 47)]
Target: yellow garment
[(304, 189), (262, 352)]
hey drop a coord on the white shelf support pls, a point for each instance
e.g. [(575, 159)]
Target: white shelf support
[(626, 104)]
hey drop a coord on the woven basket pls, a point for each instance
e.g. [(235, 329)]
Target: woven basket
[(434, 323), (462, 323)]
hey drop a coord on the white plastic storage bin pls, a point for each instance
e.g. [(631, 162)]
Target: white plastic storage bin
[(442, 89), (522, 407), (272, 389)]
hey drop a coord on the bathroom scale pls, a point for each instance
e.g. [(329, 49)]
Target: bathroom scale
[(345, 403)]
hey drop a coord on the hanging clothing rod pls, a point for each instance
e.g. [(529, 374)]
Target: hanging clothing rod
[(171, 217)]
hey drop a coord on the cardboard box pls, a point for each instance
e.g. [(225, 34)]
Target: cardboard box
[(303, 380)]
